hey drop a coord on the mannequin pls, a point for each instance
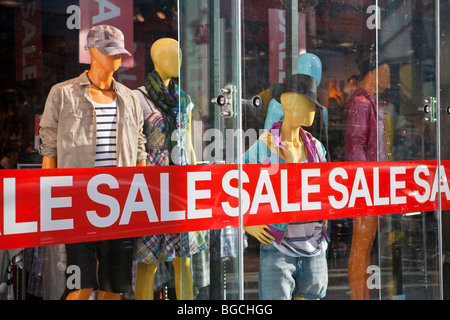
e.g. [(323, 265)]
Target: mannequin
[(353, 80), (293, 145), (361, 145), (151, 250), (308, 63), (95, 86)]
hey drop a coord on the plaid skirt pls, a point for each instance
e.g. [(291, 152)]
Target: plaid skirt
[(166, 247)]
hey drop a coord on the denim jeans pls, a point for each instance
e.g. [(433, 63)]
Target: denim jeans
[(280, 275)]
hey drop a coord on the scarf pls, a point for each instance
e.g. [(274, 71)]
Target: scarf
[(172, 102)]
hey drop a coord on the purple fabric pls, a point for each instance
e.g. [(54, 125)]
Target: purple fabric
[(307, 139), (276, 233), (361, 143)]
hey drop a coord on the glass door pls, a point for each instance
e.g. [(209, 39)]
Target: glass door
[(444, 102), (210, 72), (370, 75), (409, 243), (362, 54)]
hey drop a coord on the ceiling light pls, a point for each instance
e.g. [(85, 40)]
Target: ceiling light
[(161, 15), (140, 17), (10, 3)]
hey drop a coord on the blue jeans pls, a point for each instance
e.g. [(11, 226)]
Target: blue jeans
[(280, 274)]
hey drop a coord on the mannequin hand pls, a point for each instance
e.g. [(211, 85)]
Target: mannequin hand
[(260, 233)]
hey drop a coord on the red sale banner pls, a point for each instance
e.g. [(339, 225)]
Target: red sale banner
[(54, 206), (115, 13)]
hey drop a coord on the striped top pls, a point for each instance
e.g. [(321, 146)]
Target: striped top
[(303, 239), (105, 153)]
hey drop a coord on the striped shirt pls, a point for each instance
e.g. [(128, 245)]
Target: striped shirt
[(106, 115), (303, 239)]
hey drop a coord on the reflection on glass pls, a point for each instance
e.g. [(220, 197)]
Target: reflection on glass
[(373, 67), (377, 69)]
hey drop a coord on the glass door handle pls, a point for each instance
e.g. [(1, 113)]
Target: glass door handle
[(446, 110), (428, 107), (226, 100), (256, 102)]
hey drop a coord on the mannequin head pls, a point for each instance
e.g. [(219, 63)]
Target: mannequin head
[(353, 81), (298, 109), (332, 84), (384, 79), (299, 101), (371, 66), (308, 64), (166, 56), (102, 62), (106, 45)]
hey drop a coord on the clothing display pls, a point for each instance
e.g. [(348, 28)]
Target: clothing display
[(105, 153), (267, 150), (68, 133), (224, 150), (276, 280), (363, 129), (67, 130), (115, 260), (296, 259), (53, 263), (166, 111), (6, 260)]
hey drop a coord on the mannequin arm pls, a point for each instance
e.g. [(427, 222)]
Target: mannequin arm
[(48, 163), (189, 145), (142, 163), (260, 233)]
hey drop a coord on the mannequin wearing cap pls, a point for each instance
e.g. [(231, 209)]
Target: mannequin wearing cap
[(361, 144), (308, 63), (95, 87), (164, 118), (287, 142)]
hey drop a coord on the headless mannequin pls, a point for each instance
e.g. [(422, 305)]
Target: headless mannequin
[(365, 228), (298, 111), (166, 58), (101, 73)]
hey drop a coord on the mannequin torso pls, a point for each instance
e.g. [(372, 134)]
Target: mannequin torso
[(298, 111), (100, 74)]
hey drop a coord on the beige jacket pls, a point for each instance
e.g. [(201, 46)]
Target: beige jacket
[(68, 125)]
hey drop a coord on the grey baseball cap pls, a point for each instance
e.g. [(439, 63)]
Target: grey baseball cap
[(108, 39)]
